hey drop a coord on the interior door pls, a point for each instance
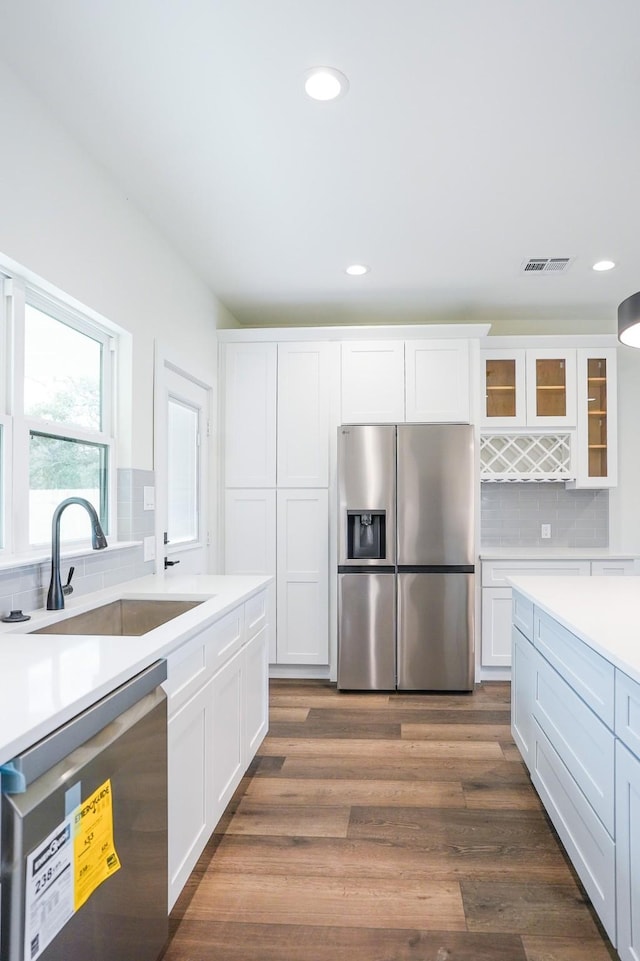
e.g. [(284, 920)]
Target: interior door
[(183, 405)]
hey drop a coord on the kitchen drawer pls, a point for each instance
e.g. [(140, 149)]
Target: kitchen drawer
[(226, 636), (496, 573), (255, 614), (589, 846), (581, 740), (627, 720), (187, 671), (584, 670), (615, 568), (522, 614)]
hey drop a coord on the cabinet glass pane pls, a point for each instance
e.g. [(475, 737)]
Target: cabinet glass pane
[(551, 387), (597, 415), (501, 388)]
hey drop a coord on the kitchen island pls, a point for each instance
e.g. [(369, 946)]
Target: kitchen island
[(217, 689), (576, 720)]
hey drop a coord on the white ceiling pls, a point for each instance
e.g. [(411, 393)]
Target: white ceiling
[(476, 134)]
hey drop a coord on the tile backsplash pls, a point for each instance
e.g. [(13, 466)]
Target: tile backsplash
[(25, 588), (512, 516)]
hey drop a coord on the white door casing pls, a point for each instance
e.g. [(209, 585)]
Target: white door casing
[(182, 419)]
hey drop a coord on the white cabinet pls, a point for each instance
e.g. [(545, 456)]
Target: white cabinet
[(227, 747), (372, 382), (503, 388), (559, 725), (250, 541), (250, 415), (529, 387), (303, 577), (304, 381), (250, 531), (437, 381), (189, 800), (628, 853), (496, 627), (276, 518), (597, 453), (551, 387), (285, 533), (496, 597), (523, 685), (585, 765), (417, 381), (550, 412), (217, 701), (256, 692)]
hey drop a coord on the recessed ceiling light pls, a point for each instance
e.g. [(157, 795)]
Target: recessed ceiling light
[(604, 265), (325, 83), (357, 270)]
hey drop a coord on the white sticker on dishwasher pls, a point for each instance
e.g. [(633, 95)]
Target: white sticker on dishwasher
[(49, 901)]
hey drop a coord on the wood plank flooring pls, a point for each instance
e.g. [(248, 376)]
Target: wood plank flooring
[(385, 828)]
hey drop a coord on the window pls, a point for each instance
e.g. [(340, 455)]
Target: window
[(183, 438), (58, 415)]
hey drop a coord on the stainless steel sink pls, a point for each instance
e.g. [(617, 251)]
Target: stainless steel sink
[(123, 617)]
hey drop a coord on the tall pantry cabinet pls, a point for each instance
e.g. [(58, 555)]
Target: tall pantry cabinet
[(280, 410)]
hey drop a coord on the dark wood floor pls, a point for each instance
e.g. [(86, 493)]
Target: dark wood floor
[(385, 828)]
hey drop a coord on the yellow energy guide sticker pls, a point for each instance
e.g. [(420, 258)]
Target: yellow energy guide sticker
[(95, 857)]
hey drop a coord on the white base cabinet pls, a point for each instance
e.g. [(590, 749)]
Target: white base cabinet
[(496, 597), (217, 700), (576, 721), (628, 853)]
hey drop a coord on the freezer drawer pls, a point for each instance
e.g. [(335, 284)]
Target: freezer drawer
[(435, 632), (366, 632)]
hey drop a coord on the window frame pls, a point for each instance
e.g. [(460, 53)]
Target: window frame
[(17, 292)]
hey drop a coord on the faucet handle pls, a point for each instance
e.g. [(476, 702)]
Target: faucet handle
[(67, 589)]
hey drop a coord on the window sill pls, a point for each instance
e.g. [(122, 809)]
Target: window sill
[(15, 561)]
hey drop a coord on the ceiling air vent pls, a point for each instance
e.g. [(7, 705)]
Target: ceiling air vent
[(546, 265)]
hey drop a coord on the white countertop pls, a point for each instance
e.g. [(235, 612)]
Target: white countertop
[(554, 554), (46, 679), (601, 611)]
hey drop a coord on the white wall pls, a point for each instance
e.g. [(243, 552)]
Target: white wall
[(624, 501), (62, 218)]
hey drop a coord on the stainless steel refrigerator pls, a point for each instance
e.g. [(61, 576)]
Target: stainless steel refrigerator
[(406, 557)]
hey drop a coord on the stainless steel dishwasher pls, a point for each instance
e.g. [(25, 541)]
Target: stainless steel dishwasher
[(84, 834)]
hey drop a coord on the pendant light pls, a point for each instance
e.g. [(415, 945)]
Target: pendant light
[(629, 321)]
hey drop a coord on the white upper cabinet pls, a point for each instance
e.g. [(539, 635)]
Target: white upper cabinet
[(551, 387), (305, 375), (503, 388), (529, 387), (437, 381), (597, 454), (250, 375), (372, 381)]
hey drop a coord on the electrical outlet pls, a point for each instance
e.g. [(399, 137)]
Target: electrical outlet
[(545, 531), (148, 498)]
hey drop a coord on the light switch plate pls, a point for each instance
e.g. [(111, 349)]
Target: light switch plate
[(149, 498)]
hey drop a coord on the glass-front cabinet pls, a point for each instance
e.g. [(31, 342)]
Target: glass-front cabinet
[(529, 388), (504, 398), (551, 388), (597, 427)]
